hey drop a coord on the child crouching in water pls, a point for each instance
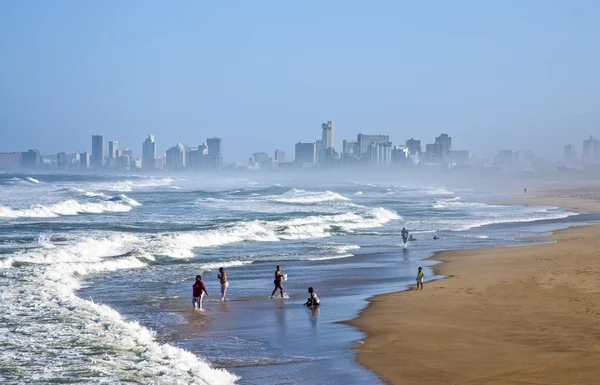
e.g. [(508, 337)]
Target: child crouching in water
[(313, 300), (198, 291)]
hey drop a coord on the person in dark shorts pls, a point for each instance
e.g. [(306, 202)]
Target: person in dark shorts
[(277, 282)]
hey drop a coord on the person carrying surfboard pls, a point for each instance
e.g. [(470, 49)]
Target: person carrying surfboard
[(277, 282)]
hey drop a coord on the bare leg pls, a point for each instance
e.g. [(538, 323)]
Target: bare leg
[(281, 290), (224, 290), (201, 296), (274, 291)]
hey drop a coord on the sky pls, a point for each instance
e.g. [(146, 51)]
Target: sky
[(264, 74)]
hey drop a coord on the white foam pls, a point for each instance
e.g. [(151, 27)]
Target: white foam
[(302, 196), (32, 180), (439, 191), (69, 207)]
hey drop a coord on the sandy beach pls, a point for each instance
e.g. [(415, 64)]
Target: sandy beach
[(510, 315)]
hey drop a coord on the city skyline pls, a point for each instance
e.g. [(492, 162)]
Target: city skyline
[(255, 74)]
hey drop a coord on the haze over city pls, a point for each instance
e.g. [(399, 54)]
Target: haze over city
[(265, 75)]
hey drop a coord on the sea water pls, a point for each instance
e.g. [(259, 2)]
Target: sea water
[(96, 271)]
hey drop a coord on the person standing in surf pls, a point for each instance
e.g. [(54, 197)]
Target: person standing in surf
[(224, 284), (420, 276), (404, 233), (198, 291), (277, 282)]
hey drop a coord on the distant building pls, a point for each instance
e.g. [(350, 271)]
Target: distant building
[(85, 160), (400, 155), (327, 138), (61, 160), (319, 150), (414, 146), (176, 157), (444, 143), (10, 160), (569, 153), (305, 154), (215, 153), (279, 156), (160, 162), (348, 146), (149, 153), (97, 151), (432, 153), (113, 152), (591, 150), (363, 142), (31, 159), (379, 155)]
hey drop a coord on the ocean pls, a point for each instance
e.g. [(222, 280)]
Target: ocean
[(96, 271)]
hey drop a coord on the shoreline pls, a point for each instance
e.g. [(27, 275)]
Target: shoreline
[(499, 315)]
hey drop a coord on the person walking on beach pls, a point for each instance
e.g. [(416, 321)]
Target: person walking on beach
[(224, 284), (277, 282), (420, 276), (198, 291)]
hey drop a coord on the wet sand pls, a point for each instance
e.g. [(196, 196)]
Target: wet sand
[(510, 315)]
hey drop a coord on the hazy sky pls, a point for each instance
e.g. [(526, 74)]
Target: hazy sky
[(265, 74)]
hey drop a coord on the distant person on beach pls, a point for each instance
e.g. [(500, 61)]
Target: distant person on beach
[(198, 291), (224, 284), (420, 276), (411, 238), (525, 191), (277, 282), (404, 233), (313, 300), (435, 237)]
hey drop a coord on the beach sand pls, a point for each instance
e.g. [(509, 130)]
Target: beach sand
[(510, 315)]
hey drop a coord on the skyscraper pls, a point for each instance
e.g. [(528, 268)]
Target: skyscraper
[(444, 143), (306, 153), (113, 148), (31, 159), (215, 152), (590, 149), (148, 153), (363, 142), (327, 135), (414, 146), (97, 151), (176, 157), (348, 146)]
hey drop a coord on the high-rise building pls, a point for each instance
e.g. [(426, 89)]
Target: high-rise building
[(348, 146), (327, 135), (444, 143), (279, 156), (149, 153), (31, 159), (590, 149), (85, 160), (305, 154), (10, 160), (97, 151), (176, 157), (215, 153), (569, 153), (319, 150), (363, 141), (379, 155), (400, 155), (414, 146), (113, 149), (61, 160)]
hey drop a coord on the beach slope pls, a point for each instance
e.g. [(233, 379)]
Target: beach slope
[(510, 315)]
